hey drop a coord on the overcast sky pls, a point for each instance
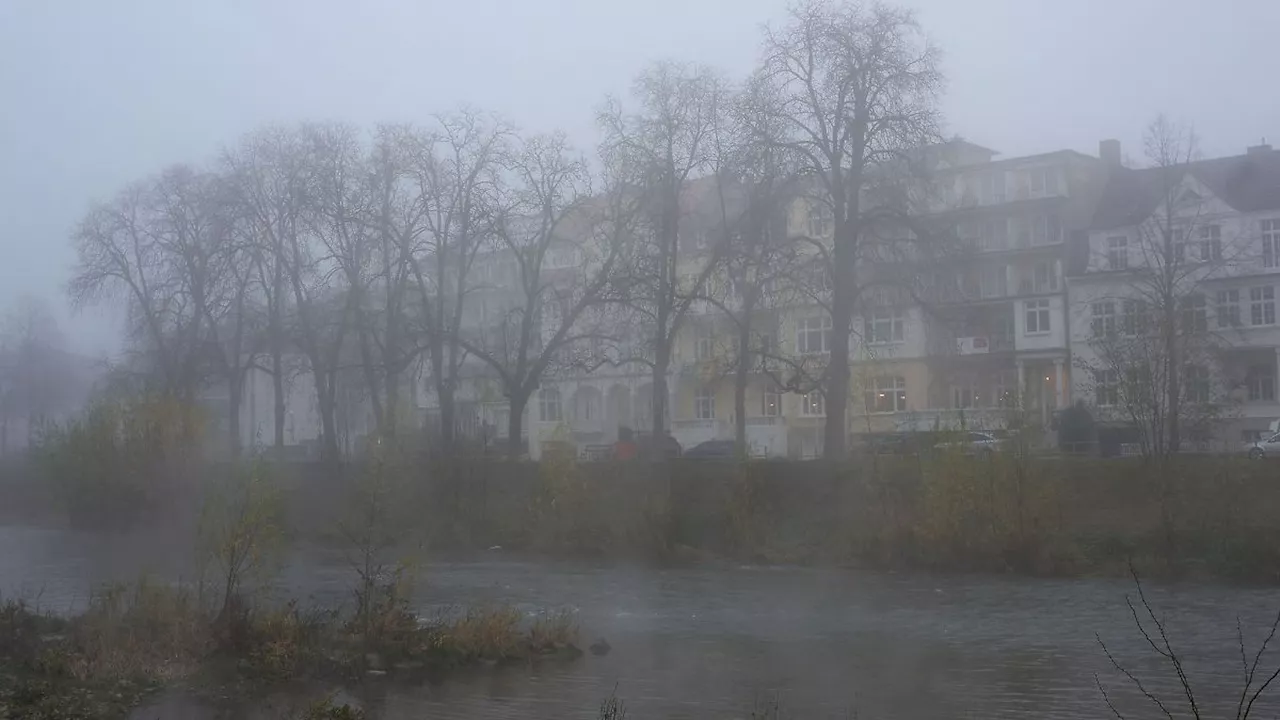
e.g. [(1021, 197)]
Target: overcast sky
[(96, 93)]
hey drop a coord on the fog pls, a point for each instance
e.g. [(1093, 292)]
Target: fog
[(94, 95)]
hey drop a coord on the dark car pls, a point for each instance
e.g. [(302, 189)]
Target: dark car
[(718, 449), (663, 447)]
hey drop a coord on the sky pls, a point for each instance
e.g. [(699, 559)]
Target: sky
[(96, 94)]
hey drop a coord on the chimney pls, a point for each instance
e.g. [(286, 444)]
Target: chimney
[(1260, 149), (1109, 151)]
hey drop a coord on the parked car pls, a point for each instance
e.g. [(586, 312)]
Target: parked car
[(713, 449), (1266, 446), (664, 447), (973, 443)]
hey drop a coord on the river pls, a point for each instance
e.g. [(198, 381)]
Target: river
[(710, 641)]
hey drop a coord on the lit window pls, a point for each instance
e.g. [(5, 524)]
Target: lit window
[(811, 404), (770, 402), (887, 394)]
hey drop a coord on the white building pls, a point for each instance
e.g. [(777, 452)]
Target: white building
[(1209, 232)]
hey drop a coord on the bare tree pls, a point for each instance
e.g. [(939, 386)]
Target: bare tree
[(1155, 634), (454, 170), (855, 88), (660, 151), (36, 376), (1151, 345), (566, 247), (266, 171)]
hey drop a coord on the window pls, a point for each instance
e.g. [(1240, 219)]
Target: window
[(1195, 317), (1045, 277), (1135, 317), (1196, 384), (704, 345), (813, 335), (1106, 387), (704, 404), (1035, 181), (887, 394), (1228, 310), (1045, 230), (993, 188), (1117, 253), (811, 404), (1210, 242), (820, 220), (965, 396), (770, 402), (1271, 243), (885, 326), (549, 405), (1261, 383), (1103, 323), (1262, 305), (1037, 315)]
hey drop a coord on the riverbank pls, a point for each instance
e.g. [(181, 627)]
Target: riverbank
[(134, 641), (1193, 517)]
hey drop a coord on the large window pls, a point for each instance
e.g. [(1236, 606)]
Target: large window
[(1262, 305), (704, 404), (1103, 323), (1117, 253), (820, 220), (1196, 384), (1271, 243), (811, 404), (1037, 316), (1135, 317), (1045, 230), (1210, 237), (549, 405), (1106, 387), (1261, 383), (885, 326), (993, 188), (770, 402), (705, 344), (1195, 316), (1044, 277), (1227, 311), (813, 335), (887, 394)]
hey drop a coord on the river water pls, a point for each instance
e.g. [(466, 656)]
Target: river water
[(711, 642)]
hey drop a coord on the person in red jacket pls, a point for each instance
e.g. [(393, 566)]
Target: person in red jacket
[(625, 448)]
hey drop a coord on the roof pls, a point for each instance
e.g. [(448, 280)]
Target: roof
[(1248, 183)]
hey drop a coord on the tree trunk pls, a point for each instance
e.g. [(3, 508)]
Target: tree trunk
[(836, 399), (391, 393), (326, 403), (277, 354), (235, 390), (447, 417), (659, 402), (740, 388), (371, 381), (515, 424)]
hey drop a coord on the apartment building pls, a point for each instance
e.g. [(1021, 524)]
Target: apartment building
[(1208, 234)]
